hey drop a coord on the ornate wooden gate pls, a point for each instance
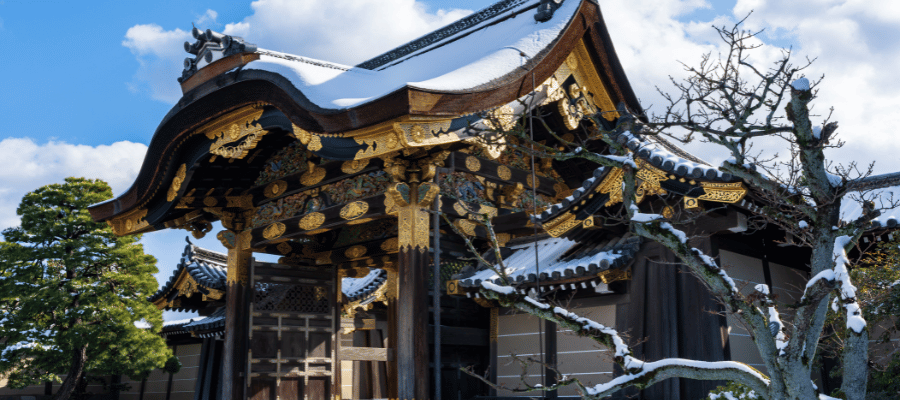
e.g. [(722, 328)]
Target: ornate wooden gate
[(293, 320)]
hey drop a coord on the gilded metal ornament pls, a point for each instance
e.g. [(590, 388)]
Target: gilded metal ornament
[(354, 166), (313, 176), (355, 252), (210, 201), (466, 227), (274, 230), (354, 210), (562, 224), (275, 189), (315, 143), (391, 245), (501, 119), (129, 223), (504, 172), (723, 192), (473, 164), (176, 183), (360, 221), (236, 134), (312, 221)]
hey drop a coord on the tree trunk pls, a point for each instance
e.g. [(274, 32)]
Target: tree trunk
[(76, 372)]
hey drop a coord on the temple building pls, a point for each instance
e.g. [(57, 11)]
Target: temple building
[(359, 178)]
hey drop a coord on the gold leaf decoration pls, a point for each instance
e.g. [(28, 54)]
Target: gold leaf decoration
[(391, 245), (473, 164), (315, 143), (504, 172), (176, 182), (236, 134), (355, 252), (274, 231), (501, 119), (312, 221), (275, 189), (210, 201), (354, 210), (354, 166), (313, 175)]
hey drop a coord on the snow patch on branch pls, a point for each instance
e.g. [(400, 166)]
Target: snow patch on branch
[(855, 321), (834, 180), (507, 290), (674, 362), (800, 84), (624, 160)]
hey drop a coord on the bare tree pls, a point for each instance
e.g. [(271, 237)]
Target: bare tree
[(731, 102)]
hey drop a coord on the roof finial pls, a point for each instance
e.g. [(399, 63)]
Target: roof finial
[(546, 9)]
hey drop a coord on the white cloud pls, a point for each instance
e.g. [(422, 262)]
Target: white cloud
[(209, 17), (160, 55), (340, 31), (852, 41), (42, 164)]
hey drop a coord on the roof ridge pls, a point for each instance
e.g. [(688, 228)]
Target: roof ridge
[(438, 35)]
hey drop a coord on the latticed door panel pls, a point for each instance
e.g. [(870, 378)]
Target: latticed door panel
[(292, 327)]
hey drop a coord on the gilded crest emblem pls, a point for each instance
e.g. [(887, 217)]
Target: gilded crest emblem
[(312, 221), (355, 252), (473, 164), (354, 210), (274, 231)]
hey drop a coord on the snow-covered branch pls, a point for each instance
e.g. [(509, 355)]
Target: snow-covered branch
[(638, 373)]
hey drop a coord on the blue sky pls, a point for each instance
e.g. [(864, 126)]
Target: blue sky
[(83, 85)]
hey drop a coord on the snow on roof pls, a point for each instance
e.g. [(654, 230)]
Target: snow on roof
[(355, 288), (208, 268), (486, 53), (584, 258), (851, 207)]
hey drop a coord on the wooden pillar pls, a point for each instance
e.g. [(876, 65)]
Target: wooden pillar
[(412, 292), (494, 337), (550, 357), (234, 355)]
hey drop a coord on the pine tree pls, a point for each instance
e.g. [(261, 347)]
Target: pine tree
[(71, 292)]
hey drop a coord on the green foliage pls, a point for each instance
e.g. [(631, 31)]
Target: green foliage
[(733, 391), (884, 383), (173, 365), (69, 285)]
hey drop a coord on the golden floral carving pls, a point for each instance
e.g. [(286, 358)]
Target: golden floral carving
[(413, 228), (501, 119), (236, 134), (723, 192), (274, 230), (504, 172), (176, 183), (355, 252), (417, 133), (312, 221), (313, 175), (275, 189), (354, 210), (473, 164), (562, 224), (354, 166)]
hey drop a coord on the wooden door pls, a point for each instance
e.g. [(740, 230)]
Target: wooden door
[(292, 333)]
